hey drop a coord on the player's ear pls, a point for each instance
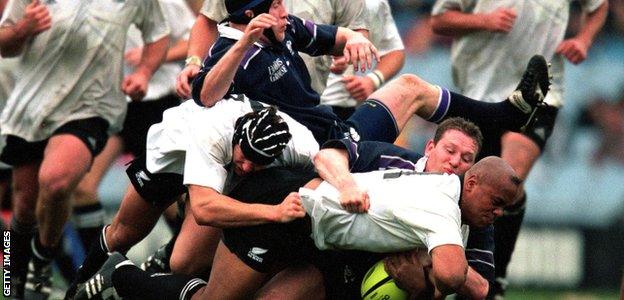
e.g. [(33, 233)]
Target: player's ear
[(429, 147), (249, 13), (470, 182)]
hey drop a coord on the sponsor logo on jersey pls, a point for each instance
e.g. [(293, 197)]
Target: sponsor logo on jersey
[(255, 253), (277, 70)]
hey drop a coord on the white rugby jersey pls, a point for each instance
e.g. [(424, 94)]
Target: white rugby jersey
[(197, 142), (383, 33), (489, 65), (344, 13), (74, 70), (179, 17), (407, 210)]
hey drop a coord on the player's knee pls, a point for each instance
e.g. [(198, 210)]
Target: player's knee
[(56, 186), (411, 82), (186, 264)]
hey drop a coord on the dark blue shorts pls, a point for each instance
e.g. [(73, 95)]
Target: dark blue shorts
[(371, 121)]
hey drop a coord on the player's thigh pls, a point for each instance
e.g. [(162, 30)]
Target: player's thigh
[(86, 192), (194, 248), (520, 152), (300, 282), (231, 278)]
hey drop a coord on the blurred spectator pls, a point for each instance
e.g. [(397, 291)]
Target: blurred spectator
[(608, 118)]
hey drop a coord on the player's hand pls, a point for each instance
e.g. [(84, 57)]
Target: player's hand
[(500, 20), (36, 19), (253, 31), (360, 52), (339, 65), (135, 85), (354, 200), (183, 86), (407, 270), (133, 56), (290, 209), (360, 87), (574, 49)]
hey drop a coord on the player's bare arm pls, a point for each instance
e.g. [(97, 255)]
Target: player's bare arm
[(218, 79), (211, 208), (456, 23), (333, 166), (135, 84), (360, 87), (203, 34), (449, 268), (575, 49), (36, 19), (356, 48)]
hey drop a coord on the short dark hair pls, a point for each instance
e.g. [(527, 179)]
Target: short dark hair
[(462, 125), (236, 9)]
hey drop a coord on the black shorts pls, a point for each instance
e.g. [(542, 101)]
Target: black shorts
[(160, 189), (271, 247), (141, 115), (343, 271), (93, 132)]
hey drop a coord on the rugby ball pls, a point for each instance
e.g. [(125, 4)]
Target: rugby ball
[(378, 285)]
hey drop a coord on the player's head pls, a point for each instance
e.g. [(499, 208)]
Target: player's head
[(242, 11), (488, 187), (259, 138), (454, 147)]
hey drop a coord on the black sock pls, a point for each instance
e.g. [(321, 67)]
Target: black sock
[(500, 115), (506, 231), (134, 283), (42, 255), (21, 235), (97, 255), (89, 221)]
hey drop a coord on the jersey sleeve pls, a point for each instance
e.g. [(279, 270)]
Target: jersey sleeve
[(151, 21), (480, 252), (590, 6), (442, 6), (367, 156), (311, 38), (390, 39), (302, 147), (206, 159), (350, 13), (179, 17), (214, 10)]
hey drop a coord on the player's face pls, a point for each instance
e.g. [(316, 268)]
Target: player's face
[(454, 153), (279, 11), (482, 204), (242, 166)]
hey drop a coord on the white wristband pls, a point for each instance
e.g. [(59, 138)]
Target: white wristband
[(377, 77)]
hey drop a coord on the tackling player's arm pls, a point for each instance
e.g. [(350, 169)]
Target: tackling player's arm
[(211, 208), (449, 268), (333, 166)]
